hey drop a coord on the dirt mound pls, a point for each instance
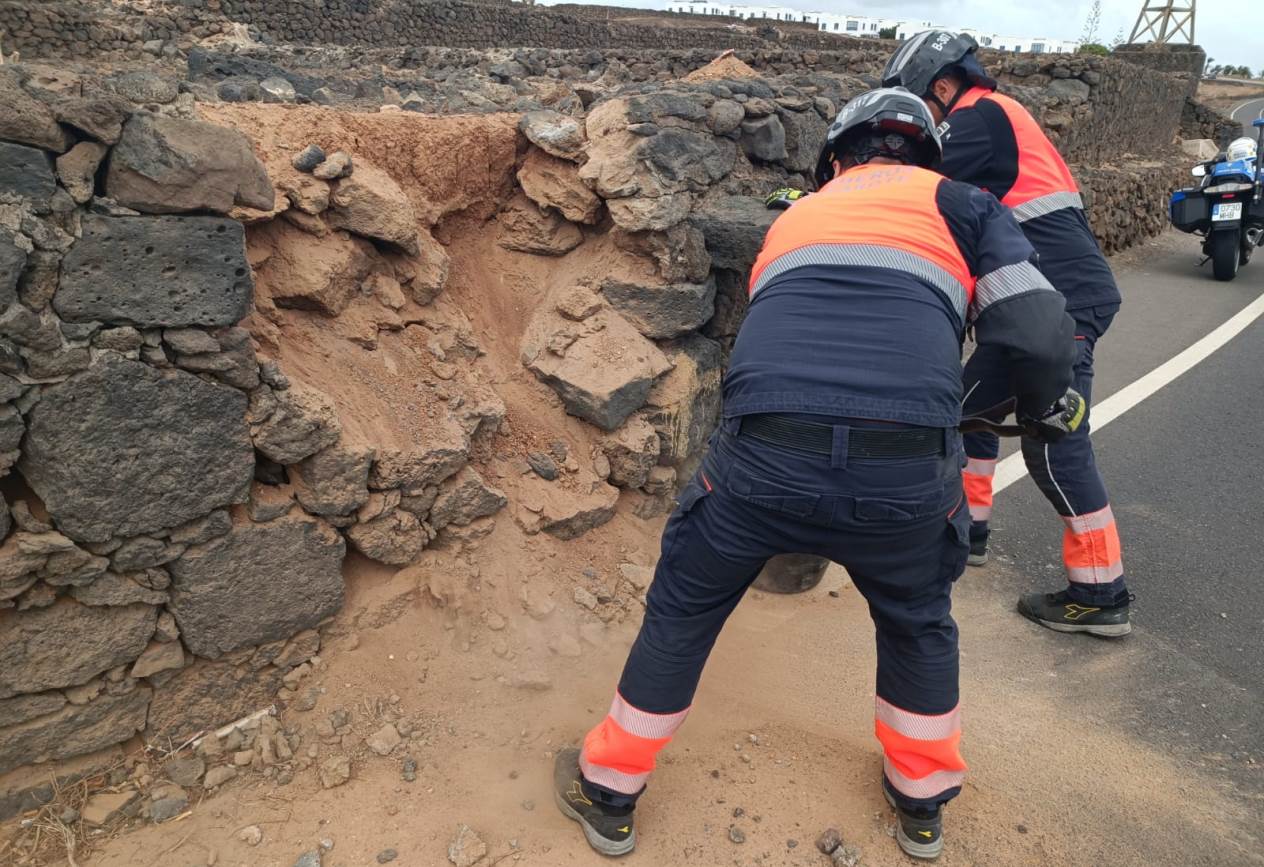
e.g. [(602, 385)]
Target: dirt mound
[(726, 66), (444, 164)]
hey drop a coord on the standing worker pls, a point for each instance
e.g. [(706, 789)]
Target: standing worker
[(992, 142), (859, 300)]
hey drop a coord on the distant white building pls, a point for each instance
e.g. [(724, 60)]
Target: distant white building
[(869, 26)]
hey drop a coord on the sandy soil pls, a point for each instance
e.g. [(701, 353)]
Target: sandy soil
[(1049, 784), (726, 66)]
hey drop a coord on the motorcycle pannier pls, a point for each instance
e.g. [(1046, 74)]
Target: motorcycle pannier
[(1189, 210)]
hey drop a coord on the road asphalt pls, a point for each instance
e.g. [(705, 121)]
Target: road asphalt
[(1185, 470), (1247, 112)]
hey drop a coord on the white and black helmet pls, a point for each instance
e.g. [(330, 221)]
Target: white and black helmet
[(1241, 149), (889, 121), (924, 57)]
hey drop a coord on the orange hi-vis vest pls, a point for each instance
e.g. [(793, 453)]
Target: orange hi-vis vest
[(880, 216), (1044, 183)]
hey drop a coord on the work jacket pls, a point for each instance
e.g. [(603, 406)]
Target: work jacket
[(994, 143), (862, 291)]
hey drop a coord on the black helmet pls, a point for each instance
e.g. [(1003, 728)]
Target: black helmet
[(923, 59), (890, 122)]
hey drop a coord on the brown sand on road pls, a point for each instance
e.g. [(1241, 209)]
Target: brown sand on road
[(1047, 785)]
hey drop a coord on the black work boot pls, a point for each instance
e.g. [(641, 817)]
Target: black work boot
[(920, 833), (1059, 612), (608, 829), (978, 544)]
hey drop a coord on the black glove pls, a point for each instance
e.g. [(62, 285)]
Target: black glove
[(779, 200), (1060, 420)]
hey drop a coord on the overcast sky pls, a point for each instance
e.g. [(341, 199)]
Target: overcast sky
[(1222, 27)]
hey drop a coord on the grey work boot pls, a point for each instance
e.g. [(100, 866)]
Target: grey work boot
[(1059, 612), (920, 833), (608, 829)]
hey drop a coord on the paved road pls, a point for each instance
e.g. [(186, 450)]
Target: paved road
[(1186, 473), (1247, 112)]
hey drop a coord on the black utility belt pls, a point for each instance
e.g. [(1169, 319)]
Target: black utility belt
[(818, 439)]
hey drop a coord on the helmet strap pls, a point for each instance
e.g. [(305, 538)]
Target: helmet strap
[(947, 108)]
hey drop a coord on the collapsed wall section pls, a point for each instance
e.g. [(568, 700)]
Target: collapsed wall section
[(226, 359)]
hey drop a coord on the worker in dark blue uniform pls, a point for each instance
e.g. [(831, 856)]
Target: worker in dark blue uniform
[(992, 142), (839, 439)]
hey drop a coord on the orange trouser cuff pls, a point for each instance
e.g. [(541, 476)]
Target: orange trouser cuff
[(611, 747), (915, 758)]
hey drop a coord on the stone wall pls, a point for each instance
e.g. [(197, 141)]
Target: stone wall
[(688, 19), (1187, 61), (1095, 109), (63, 26), (1126, 202), (77, 28), (146, 584), (1199, 121)]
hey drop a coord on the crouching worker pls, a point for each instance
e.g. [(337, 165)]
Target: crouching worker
[(839, 439)]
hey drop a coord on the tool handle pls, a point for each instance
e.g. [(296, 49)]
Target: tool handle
[(982, 425)]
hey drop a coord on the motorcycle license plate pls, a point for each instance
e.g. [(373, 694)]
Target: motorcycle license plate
[(1227, 211)]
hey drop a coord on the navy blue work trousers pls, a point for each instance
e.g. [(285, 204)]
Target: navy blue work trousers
[(1066, 473), (899, 526)]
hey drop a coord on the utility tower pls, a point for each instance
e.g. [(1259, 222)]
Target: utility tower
[(1164, 22)]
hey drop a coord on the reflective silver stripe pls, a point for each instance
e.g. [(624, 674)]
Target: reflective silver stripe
[(905, 53), (642, 723), (1099, 520), (628, 784), (929, 786), (1005, 282), (873, 256), (922, 727), (1095, 574), (1046, 204), (981, 467)]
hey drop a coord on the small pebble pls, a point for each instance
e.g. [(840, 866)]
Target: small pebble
[(410, 770), (829, 840), (791, 843), (834, 593), (736, 834), (1022, 829), (386, 855), (846, 856), (738, 812)]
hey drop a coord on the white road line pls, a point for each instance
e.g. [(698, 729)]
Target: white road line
[(1012, 468), (1233, 115)]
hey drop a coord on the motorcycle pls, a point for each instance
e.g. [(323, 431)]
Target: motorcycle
[(1226, 209)]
